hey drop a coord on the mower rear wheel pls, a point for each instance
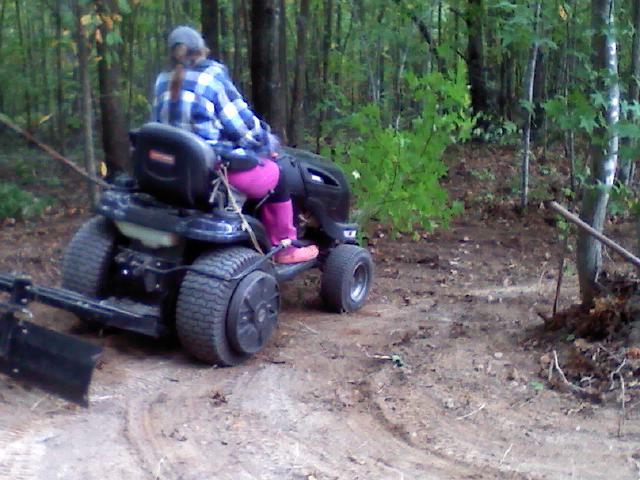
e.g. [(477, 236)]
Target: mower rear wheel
[(347, 278), (225, 322), (88, 258)]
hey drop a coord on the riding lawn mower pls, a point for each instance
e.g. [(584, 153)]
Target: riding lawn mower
[(174, 249)]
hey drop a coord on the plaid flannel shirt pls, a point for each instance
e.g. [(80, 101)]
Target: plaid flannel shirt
[(211, 107)]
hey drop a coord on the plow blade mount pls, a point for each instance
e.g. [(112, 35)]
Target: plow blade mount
[(57, 363)]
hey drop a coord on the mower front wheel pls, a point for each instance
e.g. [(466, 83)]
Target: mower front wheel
[(347, 278), (224, 322)]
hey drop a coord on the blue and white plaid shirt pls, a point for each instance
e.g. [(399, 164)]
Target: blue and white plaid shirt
[(210, 106)]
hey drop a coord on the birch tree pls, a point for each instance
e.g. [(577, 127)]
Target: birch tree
[(604, 148), (528, 100)]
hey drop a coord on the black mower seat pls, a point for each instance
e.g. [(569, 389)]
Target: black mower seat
[(173, 165)]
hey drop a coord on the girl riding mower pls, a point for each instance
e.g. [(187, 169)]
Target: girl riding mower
[(176, 247)]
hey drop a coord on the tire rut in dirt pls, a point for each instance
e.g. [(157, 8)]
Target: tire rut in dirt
[(140, 434), (354, 439), (269, 427), (374, 406)]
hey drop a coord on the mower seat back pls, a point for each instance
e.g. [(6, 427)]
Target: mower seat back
[(173, 165)]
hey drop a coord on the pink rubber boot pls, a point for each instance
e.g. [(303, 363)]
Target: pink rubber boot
[(278, 221)]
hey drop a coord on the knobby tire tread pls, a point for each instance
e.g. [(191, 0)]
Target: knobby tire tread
[(201, 312)]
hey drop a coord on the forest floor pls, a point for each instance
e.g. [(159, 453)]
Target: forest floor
[(439, 376)]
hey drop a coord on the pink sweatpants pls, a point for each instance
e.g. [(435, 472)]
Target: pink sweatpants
[(257, 182), (277, 218)]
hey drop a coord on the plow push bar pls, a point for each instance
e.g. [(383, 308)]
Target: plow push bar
[(102, 312)]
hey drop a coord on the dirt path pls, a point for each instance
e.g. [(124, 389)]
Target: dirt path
[(459, 310), (465, 398)]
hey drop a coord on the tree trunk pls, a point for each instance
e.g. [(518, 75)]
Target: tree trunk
[(338, 42), (211, 26), (131, 40), (528, 98), (629, 146), (246, 24), (326, 40), (475, 60), (537, 122), (2, 12), (423, 29), (265, 63), (48, 100), (87, 111), (603, 163), (60, 120), (168, 23), (284, 71), (379, 76), (296, 121), (27, 67), (440, 60), (568, 80), (115, 140), (237, 40), (326, 50), (223, 24)]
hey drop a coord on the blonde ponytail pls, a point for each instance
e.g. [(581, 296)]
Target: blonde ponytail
[(178, 59)]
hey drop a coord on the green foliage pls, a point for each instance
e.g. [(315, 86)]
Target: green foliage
[(483, 175), (574, 111), (503, 132), (396, 172), (19, 204), (536, 385), (622, 201)]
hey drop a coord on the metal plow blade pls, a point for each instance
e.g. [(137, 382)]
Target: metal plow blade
[(57, 363)]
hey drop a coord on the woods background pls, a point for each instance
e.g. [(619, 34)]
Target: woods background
[(384, 87)]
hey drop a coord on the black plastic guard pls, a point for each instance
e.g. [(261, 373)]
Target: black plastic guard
[(55, 362)]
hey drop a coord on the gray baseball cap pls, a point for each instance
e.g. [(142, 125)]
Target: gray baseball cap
[(188, 36)]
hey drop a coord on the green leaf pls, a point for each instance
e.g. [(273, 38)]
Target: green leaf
[(113, 38), (628, 130), (537, 386), (123, 6), (588, 124), (397, 361), (527, 105)]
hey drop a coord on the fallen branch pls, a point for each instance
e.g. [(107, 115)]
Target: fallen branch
[(571, 386), (316, 332), (504, 457), (556, 299), (480, 408), (51, 152), (623, 405), (627, 255), (618, 371)]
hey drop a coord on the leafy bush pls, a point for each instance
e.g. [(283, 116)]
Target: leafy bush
[(396, 172), (19, 204)]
